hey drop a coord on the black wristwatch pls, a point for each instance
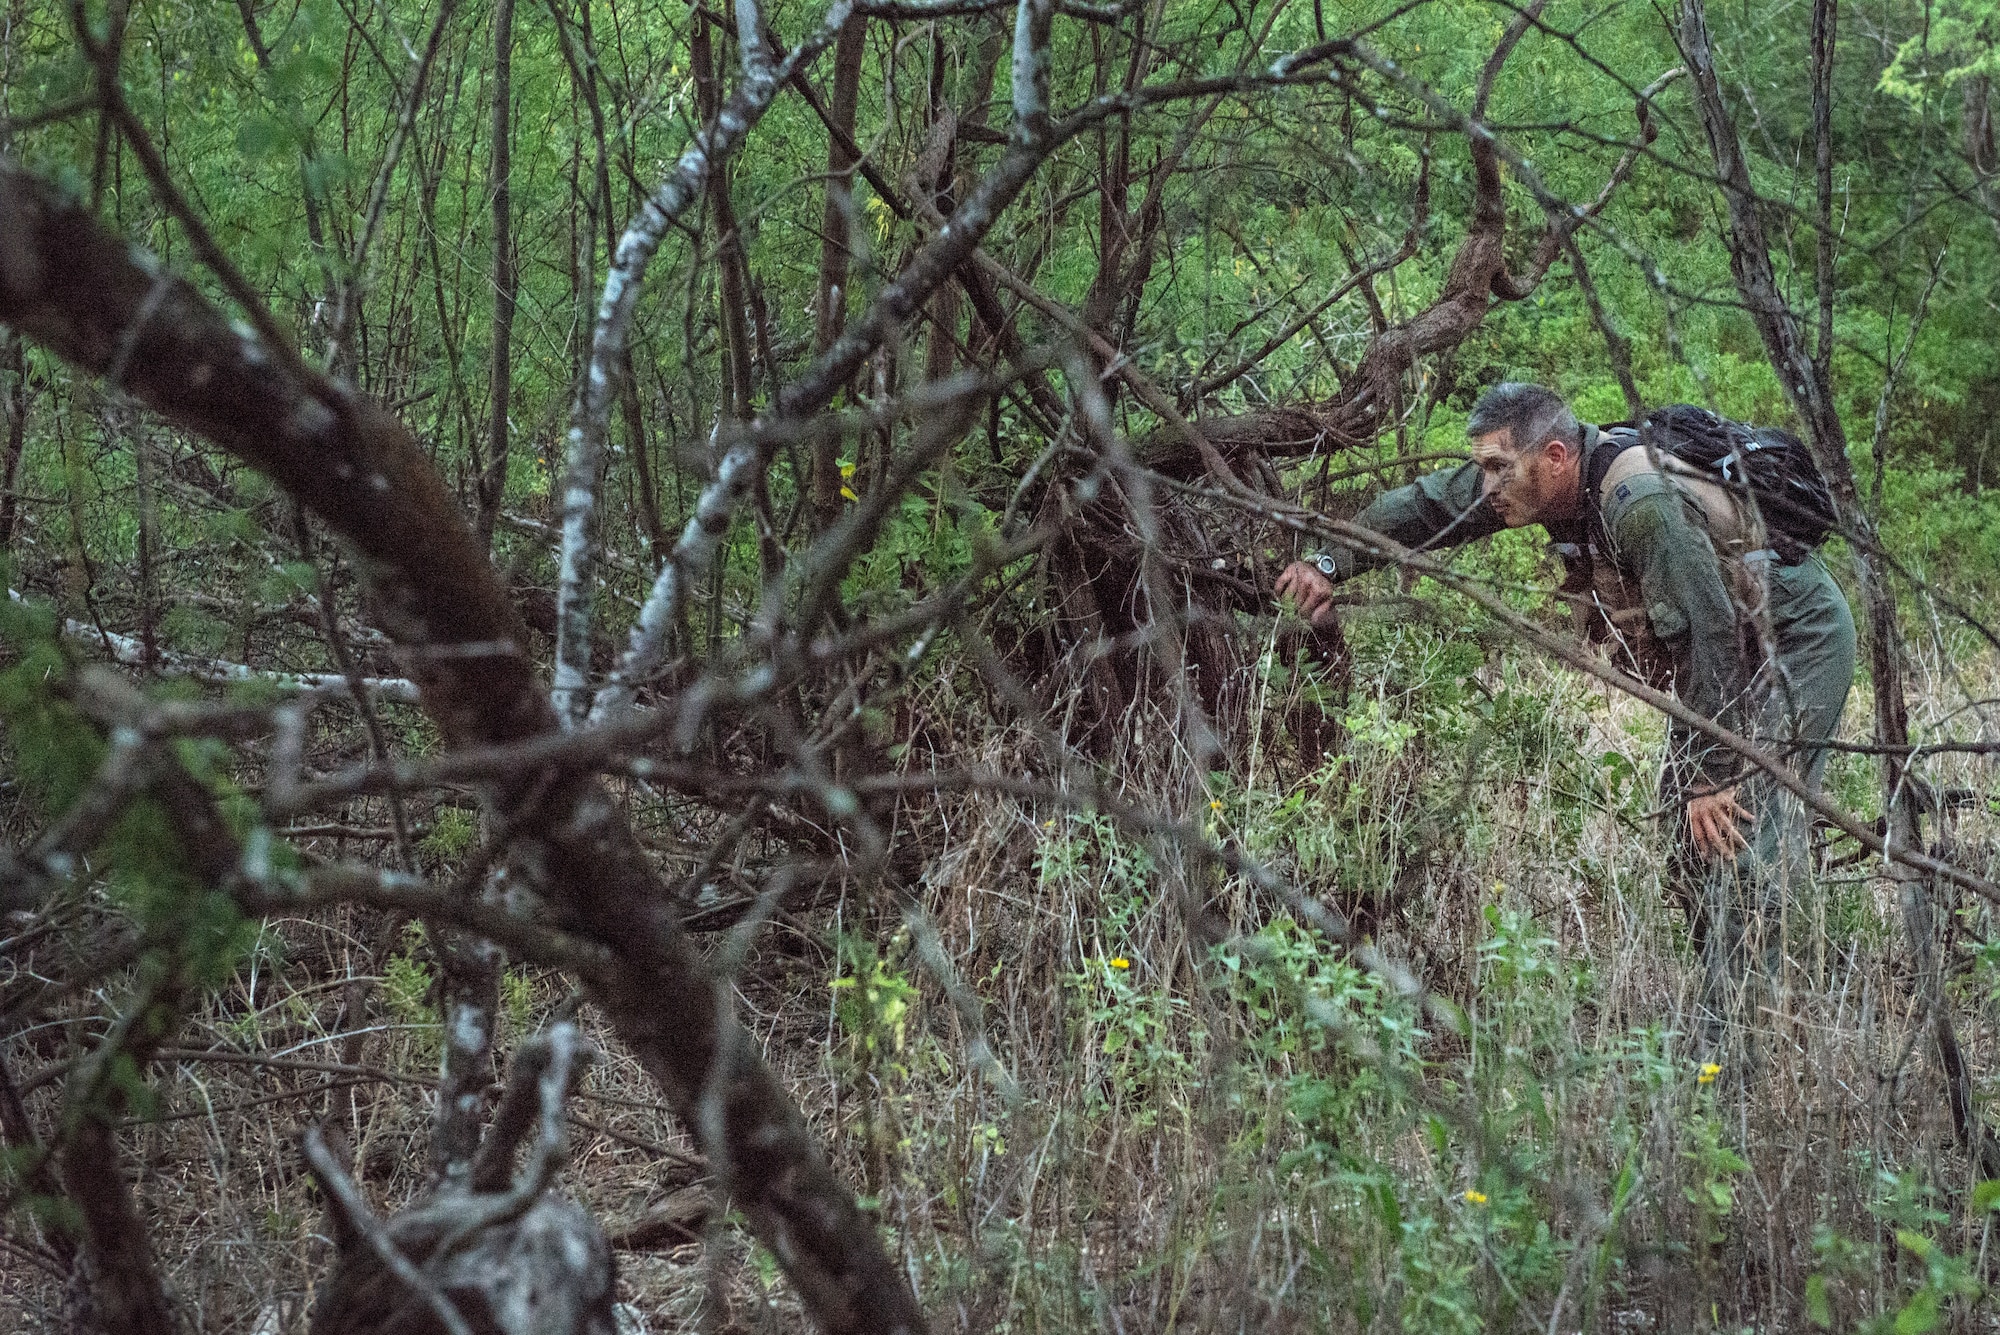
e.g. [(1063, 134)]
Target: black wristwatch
[(1323, 563)]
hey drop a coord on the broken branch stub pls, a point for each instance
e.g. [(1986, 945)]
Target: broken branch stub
[(500, 1257)]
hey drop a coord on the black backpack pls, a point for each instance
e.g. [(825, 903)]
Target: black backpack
[(1768, 466)]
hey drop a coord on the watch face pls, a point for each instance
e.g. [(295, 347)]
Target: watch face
[(1325, 564)]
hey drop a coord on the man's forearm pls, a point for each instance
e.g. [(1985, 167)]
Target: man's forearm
[(1438, 509)]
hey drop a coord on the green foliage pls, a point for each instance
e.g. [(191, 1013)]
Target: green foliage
[(1351, 1045), (872, 1000), (517, 1001), (57, 753), (452, 833), (1712, 1191), (1962, 41), (55, 750), (409, 988), (1087, 849), (57, 1213), (1452, 1212), (1934, 1288), (1139, 1036)]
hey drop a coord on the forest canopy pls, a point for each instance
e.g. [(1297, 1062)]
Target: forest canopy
[(642, 668)]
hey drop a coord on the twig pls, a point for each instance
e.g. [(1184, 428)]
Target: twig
[(339, 354), (131, 652)]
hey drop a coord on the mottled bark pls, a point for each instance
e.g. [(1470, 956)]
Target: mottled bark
[(469, 992), (490, 1253)]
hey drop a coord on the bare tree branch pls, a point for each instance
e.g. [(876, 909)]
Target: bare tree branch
[(129, 651), (591, 419)]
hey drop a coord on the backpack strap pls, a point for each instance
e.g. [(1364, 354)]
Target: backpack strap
[(1601, 448), (1717, 509)]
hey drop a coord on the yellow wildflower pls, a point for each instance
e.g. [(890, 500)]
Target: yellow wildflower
[(1215, 804), (1121, 963), (1474, 1196), (847, 470), (847, 493), (1708, 1073)]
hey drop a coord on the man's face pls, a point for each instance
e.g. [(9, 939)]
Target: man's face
[(1523, 486)]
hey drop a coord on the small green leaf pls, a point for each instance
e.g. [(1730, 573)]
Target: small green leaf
[(1986, 1196), (1818, 1307), (1919, 1315)]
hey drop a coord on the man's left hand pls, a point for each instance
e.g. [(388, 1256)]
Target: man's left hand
[(1716, 821)]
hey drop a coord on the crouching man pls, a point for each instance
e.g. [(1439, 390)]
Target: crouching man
[(1693, 594)]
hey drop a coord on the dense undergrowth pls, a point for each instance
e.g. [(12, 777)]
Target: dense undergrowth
[(1222, 1120)]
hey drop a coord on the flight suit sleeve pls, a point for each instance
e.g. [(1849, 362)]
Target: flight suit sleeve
[(1680, 578), (1441, 509)]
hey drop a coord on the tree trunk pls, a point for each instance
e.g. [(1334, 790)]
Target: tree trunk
[(16, 364), (493, 485), (830, 303), (1981, 150), (731, 277)]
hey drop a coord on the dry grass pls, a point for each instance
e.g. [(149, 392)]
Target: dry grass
[(1155, 1170)]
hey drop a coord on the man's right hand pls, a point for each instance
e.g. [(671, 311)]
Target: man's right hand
[(1312, 591), (1716, 821)]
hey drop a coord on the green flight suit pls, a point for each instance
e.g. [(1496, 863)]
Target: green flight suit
[(1787, 699)]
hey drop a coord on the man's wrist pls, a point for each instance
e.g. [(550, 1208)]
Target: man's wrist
[(1328, 564), (1715, 776)]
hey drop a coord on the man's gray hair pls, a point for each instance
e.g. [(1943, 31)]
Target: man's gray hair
[(1529, 414)]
